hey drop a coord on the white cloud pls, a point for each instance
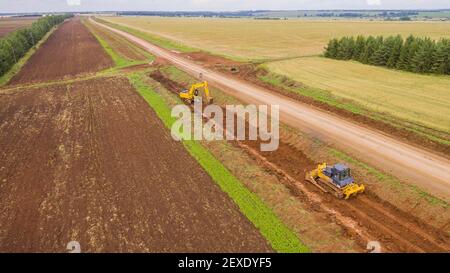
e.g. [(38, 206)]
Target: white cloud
[(73, 2), (373, 2)]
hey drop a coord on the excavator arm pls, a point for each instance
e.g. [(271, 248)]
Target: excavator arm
[(193, 92)]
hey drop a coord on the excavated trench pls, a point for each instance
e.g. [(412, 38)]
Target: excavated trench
[(365, 218)]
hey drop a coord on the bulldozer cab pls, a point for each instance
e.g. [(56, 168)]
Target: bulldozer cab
[(336, 179), (340, 174)]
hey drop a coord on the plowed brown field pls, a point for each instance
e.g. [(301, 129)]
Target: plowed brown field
[(70, 51), (8, 25), (92, 162)]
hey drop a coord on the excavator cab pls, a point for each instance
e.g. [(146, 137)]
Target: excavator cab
[(193, 92)]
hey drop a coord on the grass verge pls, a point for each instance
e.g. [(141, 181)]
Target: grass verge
[(119, 60), (281, 238)]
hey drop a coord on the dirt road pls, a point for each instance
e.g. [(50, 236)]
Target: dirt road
[(415, 165)]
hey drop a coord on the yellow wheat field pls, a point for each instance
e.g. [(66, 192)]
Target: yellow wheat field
[(422, 99), (270, 39)]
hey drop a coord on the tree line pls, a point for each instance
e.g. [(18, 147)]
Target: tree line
[(420, 55), (17, 43)]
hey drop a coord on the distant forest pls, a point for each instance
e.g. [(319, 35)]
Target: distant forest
[(189, 13), (420, 55), (403, 15), (367, 14), (388, 14)]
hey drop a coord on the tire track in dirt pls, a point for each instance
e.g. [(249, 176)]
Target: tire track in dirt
[(390, 215), (366, 216)]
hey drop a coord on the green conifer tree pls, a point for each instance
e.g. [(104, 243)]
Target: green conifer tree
[(441, 57), (396, 49)]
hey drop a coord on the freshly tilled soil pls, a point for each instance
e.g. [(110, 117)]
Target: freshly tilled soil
[(72, 50), (91, 162), (8, 25)]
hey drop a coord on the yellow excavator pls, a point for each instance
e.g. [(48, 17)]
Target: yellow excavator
[(193, 92), (336, 179)]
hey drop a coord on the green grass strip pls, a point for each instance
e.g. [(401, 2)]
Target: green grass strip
[(281, 238), (118, 60), (18, 66)]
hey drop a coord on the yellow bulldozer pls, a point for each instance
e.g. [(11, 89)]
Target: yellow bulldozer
[(189, 95), (336, 179)]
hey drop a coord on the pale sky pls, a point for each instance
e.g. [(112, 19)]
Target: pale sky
[(212, 5)]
